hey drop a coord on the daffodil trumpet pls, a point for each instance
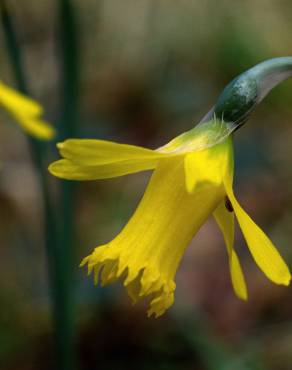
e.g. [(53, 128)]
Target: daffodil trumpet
[(26, 112), (192, 179)]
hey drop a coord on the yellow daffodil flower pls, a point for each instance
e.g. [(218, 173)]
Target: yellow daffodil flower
[(192, 179), (187, 186), (26, 112)]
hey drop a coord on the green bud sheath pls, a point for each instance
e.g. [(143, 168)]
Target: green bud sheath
[(245, 92)]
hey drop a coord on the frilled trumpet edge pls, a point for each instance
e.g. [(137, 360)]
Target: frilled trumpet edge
[(140, 281)]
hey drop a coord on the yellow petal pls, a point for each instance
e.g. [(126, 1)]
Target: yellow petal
[(18, 103), (262, 249), (91, 152), (225, 221), (98, 159), (36, 127), (208, 166), (88, 159), (65, 169), (26, 112), (147, 252)]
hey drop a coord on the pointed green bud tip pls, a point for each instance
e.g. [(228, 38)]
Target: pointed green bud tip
[(240, 97)]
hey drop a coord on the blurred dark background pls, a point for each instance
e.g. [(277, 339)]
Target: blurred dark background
[(148, 70)]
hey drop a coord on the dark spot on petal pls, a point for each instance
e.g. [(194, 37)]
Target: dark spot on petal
[(228, 205)]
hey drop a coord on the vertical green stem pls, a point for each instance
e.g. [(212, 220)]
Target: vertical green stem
[(68, 50), (69, 102), (60, 275)]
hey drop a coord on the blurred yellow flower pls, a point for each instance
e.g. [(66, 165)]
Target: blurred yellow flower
[(26, 112), (192, 180)]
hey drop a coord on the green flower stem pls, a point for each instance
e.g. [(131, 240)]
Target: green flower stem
[(58, 251), (69, 105), (68, 128)]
